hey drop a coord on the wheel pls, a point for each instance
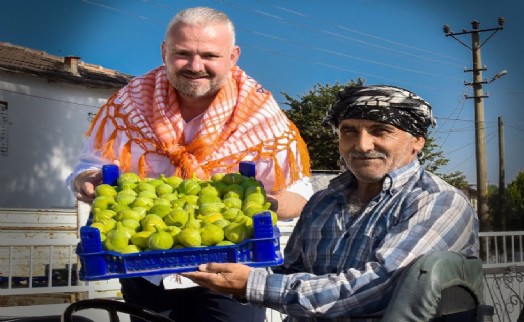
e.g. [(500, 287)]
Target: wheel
[(112, 307)]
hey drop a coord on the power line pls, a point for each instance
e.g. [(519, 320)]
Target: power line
[(48, 98), (329, 33)]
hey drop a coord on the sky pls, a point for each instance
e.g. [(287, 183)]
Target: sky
[(291, 46)]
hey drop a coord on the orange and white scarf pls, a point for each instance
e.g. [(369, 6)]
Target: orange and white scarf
[(243, 121)]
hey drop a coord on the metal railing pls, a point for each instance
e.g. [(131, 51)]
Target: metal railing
[(502, 255)]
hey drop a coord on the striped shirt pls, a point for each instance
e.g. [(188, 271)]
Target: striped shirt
[(337, 265)]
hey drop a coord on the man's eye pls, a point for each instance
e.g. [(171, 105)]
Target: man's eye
[(347, 131)]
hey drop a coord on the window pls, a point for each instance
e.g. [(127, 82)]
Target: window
[(4, 130)]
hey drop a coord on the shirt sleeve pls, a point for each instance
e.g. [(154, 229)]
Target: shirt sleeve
[(432, 222), (89, 159)]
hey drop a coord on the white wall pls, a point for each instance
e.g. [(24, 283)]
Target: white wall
[(45, 126)]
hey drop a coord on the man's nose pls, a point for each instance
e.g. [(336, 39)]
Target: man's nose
[(364, 142), (196, 63)]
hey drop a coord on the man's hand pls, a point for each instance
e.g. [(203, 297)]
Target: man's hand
[(286, 204), (224, 278), (85, 184)]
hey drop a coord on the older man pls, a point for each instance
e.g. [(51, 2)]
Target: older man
[(354, 238)]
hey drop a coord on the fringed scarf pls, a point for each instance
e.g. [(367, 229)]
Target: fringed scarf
[(243, 120)]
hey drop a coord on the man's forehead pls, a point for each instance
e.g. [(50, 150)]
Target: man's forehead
[(363, 123)]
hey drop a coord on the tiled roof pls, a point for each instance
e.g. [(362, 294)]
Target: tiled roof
[(68, 69)]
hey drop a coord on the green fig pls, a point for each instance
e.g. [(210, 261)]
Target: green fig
[(179, 203), (225, 243), (143, 202), (190, 237), (210, 208), (255, 196), (209, 190), (211, 217), (155, 182), (140, 238), (105, 189), (169, 196), (150, 221), (211, 234), (161, 210), (222, 223), (233, 202), (189, 187), (217, 176), (160, 240), (191, 199), (220, 187), (131, 223), (162, 201), (234, 190), (231, 213), (128, 214), (98, 225), (141, 211), (233, 178), (129, 249), (163, 188), (103, 202), (177, 217), (128, 180), (173, 181), (99, 215), (147, 194), (237, 232), (124, 199), (173, 230), (116, 239), (116, 207), (127, 191), (108, 223), (145, 186)]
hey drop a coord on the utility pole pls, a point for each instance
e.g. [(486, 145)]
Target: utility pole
[(502, 174), (480, 131)]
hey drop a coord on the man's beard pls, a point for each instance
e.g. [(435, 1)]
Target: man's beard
[(192, 90)]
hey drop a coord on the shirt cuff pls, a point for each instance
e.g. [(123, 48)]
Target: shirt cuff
[(255, 287)]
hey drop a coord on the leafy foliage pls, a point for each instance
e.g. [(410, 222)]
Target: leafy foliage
[(433, 159), (509, 214), (307, 113)]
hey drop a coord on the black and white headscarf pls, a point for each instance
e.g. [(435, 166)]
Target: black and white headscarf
[(385, 104)]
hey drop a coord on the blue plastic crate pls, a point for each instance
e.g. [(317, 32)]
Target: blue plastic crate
[(262, 250)]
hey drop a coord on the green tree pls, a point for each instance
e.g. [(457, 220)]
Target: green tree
[(432, 158), (515, 203), (308, 111)]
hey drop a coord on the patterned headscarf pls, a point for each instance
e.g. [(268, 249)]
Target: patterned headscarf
[(381, 103)]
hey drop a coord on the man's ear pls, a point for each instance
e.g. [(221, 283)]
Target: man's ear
[(235, 55), (163, 52), (419, 144)]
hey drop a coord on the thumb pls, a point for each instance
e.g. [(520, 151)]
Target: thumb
[(211, 267)]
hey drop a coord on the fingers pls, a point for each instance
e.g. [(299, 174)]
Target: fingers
[(214, 267), (85, 184)]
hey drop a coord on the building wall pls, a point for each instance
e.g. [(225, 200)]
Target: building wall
[(41, 134)]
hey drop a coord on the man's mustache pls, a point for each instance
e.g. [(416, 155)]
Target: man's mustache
[(194, 74), (367, 155)]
